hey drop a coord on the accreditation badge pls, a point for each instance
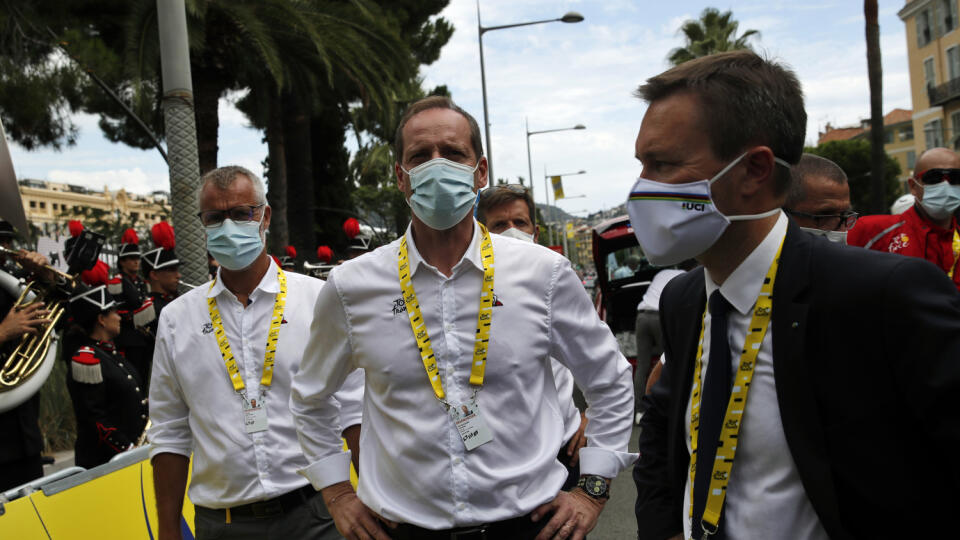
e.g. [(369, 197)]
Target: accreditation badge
[(470, 424), (255, 415)]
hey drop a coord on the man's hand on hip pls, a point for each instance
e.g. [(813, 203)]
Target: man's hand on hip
[(353, 519), (574, 515)]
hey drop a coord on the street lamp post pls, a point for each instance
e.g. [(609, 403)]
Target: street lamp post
[(569, 17), (530, 163)]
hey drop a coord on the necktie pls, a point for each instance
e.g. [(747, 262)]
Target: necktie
[(713, 407)]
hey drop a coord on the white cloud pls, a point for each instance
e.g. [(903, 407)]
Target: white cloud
[(132, 180)]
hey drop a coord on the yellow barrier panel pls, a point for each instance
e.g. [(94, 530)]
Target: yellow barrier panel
[(20, 520)]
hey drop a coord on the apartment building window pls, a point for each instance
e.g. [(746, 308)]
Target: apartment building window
[(43, 205), (888, 136), (933, 133), (33, 204), (929, 73), (955, 129), (948, 14), (923, 28), (906, 133), (911, 159)]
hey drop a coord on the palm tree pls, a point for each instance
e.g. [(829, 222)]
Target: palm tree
[(713, 32)]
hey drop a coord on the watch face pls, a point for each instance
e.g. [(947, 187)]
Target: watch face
[(595, 486)]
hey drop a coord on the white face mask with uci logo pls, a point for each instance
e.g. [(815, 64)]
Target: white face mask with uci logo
[(676, 222)]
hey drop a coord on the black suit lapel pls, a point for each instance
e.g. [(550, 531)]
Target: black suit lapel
[(794, 379)]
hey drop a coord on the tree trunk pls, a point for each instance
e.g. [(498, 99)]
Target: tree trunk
[(277, 173), (875, 74), (207, 88), (300, 191), (330, 173)]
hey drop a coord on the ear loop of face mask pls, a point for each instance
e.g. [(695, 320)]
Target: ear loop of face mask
[(745, 217)]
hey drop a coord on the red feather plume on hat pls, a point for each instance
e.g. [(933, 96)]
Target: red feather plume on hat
[(290, 251), (163, 236), (75, 227), (275, 259), (324, 254), (352, 227), (98, 275), (129, 237)]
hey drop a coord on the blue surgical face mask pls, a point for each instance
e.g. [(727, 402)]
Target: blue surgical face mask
[(235, 245), (940, 200), (442, 192)]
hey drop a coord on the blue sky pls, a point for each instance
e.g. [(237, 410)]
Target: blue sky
[(559, 75)]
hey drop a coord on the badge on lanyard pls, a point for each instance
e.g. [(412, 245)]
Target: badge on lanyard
[(473, 430), (255, 415)]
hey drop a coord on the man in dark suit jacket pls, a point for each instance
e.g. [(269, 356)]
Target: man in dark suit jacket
[(858, 376)]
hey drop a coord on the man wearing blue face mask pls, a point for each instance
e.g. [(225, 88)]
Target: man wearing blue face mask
[(455, 329), (225, 355), (928, 229), (807, 385)]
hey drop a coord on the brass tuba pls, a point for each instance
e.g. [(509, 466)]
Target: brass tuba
[(28, 365)]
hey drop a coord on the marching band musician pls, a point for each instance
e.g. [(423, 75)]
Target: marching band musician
[(162, 269), (131, 294), (108, 393), (21, 443), (288, 261)]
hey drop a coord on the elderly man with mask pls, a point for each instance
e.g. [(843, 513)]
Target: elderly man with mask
[(805, 383), (819, 198), (455, 329), (929, 229), (225, 357)]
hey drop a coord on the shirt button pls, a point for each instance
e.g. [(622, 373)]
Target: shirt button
[(457, 461), (143, 402), (143, 416), (130, 376)]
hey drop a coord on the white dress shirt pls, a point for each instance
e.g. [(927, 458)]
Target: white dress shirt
[(568, 409), (651, 298), (194, 407), (765, 498), (415, 468)]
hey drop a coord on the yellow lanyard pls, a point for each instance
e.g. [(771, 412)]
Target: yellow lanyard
[(419, 324), (272, 337), (727, 450), (956, 252)]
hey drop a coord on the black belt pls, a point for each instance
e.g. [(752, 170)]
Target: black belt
[(520, 528), (270, 507)]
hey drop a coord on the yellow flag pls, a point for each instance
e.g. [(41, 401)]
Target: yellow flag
[(570, 232), (557, 182)]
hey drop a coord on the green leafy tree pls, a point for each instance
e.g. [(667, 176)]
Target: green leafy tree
[(713, 32), (854, 157)]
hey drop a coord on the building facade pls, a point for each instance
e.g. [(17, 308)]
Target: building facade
[(50, 205), (898, 132), (933, 54)]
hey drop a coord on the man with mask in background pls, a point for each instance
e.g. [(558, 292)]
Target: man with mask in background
[(508, 210), (927, 230), (225, 356), (806, 384), (455, 329), (819, 198)]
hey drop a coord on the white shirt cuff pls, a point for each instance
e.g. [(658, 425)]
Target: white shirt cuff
[(166, 449), (328, 471), (605, 463)]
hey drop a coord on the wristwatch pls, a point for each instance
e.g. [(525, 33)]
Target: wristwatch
[(595, 486)]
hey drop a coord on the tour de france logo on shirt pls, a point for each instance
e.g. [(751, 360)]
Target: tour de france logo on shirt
[(207, 328)]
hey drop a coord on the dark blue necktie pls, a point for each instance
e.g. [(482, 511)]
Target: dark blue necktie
[(713, 407)]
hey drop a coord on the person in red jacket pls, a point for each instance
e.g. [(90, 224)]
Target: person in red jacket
[(927, 230)]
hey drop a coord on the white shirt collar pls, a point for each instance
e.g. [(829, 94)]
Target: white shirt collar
[(742, 288), (472, 255), (268, 283)]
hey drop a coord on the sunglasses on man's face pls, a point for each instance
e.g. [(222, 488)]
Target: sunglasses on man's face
[(935, 176)]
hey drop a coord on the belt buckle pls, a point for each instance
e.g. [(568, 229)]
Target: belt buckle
[(476, 533)]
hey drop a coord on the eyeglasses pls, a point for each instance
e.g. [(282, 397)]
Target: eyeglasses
[(935, 176), (830, 222), (214, 218)]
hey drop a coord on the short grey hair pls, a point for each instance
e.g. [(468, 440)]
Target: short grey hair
[(224, 177), (811, 165)]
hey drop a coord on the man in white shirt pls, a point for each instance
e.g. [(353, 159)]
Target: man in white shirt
[(508, 210), (649, 338), (220, 388), (454, 329)]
